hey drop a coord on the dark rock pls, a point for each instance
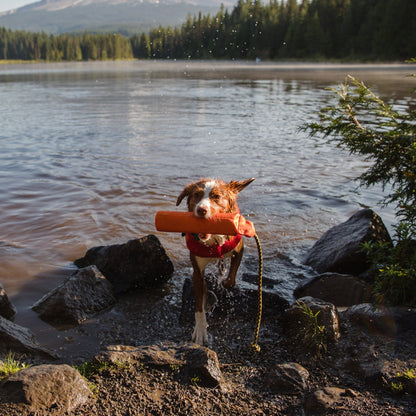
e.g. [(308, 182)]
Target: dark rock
[(202, 363), (17, 338), (290, 378), (325, 399), (339, 249), (47, 386), (381, 320), (294, 321), (140, 263), (367, 366), (83, 294), (409, 385), (7, 310), (338, 289), (404, 318)]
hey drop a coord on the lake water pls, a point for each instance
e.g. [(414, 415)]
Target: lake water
[(91, 151)]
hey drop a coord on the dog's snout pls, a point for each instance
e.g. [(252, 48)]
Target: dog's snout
[(201, 211)]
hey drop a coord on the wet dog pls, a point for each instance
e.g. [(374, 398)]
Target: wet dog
[(206, 198)]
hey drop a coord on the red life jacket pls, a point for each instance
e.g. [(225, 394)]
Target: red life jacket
[(202, 250)]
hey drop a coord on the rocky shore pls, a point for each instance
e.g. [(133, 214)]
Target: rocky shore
[(330, 353)]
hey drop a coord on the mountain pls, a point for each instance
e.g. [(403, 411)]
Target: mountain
[(124, 16)]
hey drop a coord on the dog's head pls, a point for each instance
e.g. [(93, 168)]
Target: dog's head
[(212, 196)]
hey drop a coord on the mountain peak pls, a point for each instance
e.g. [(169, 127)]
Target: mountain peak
[(126, 16)]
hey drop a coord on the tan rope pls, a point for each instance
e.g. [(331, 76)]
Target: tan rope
[(255, 346)]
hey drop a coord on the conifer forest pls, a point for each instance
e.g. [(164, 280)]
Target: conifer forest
[(365, 30)]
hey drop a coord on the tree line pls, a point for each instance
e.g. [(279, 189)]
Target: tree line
[(310, 29), (24, 45)]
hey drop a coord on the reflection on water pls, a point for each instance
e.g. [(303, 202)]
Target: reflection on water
[(90, 151)]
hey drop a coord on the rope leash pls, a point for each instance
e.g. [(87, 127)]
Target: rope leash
[(255, 346)]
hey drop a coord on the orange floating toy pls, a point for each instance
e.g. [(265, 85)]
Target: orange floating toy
[(186, 222)]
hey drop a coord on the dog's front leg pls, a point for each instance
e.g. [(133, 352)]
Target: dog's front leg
[(199, 335), (235, 264)]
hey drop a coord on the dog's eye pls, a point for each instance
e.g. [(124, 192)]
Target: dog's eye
[(215, 197), (198, 194)]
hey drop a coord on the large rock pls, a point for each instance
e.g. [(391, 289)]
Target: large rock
[(83, 294), (339, 249), (7, 310), (196, 362), (327, 400), (338, 289), (289, 378), (47, 387), (202, 363), (382, 320), (140, 263), (295, 321), (17, 338)]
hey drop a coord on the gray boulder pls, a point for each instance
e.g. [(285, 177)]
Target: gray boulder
[(289, 378), (7, 310), (140, 263), (14, 337), (338, 289), (47, 387), (339, 249), (82, 295)]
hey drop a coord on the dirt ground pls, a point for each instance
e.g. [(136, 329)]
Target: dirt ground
[(143, 390)]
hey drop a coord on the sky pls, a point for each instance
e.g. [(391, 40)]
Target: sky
[(13, 4)]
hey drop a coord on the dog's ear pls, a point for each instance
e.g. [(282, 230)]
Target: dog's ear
[(186, 192), (238, 186)]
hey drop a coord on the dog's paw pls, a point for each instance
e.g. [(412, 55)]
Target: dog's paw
[(228, 283), (200, 335)]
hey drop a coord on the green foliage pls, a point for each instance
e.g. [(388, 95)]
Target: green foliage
[(394, 268), (408, 374), (402, 380), (396, 285), (397, 387), (195, 380), (311, 29), (312, 335), (10, 366), (307, 29), (91, 368), (362, 123), (365, 125), (21, 45)]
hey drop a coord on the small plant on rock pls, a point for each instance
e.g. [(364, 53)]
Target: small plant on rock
[(312, 335)]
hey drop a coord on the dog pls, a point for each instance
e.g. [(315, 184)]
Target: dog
[(206, 198)]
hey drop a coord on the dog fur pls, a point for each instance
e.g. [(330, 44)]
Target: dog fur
[(206, 198)]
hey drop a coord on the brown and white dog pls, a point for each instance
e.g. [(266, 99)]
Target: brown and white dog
[(206, 198)]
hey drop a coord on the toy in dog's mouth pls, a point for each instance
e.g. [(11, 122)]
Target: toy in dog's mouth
[(187, 222)]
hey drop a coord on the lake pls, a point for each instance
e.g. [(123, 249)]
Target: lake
[(91, 151)]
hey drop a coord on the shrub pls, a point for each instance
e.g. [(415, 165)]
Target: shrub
[(364, 124)]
